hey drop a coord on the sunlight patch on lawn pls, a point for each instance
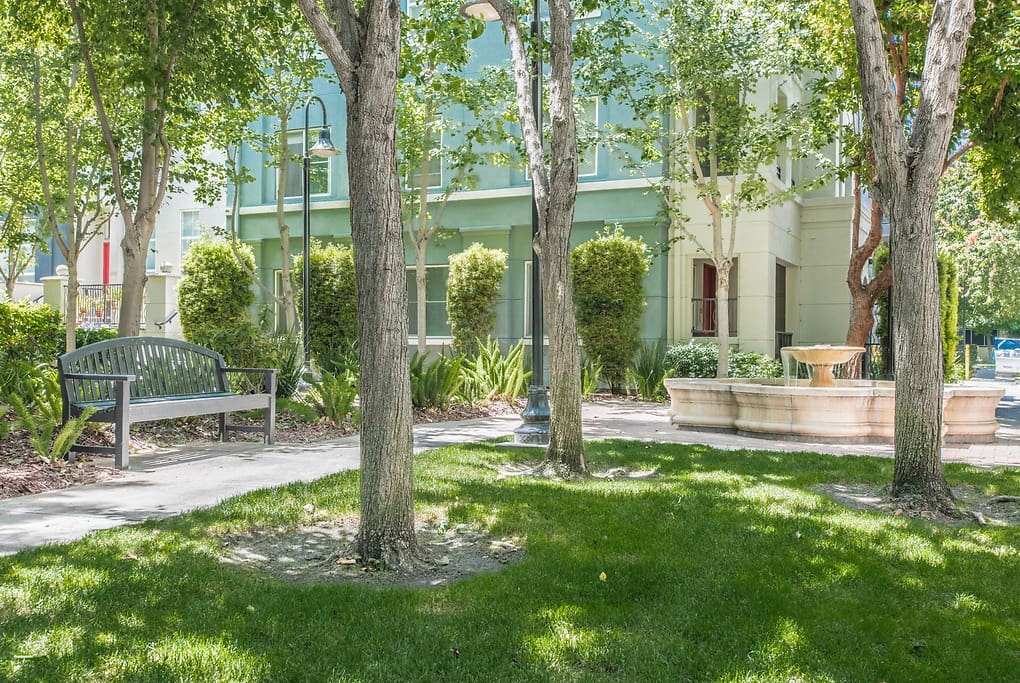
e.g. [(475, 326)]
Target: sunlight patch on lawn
[(205, 658)]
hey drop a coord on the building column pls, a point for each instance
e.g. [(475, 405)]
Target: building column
[(54, 287), (161, 305)]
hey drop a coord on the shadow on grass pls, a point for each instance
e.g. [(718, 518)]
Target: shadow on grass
[(724, 567)]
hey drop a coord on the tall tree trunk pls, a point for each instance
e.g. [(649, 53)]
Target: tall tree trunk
[(134, 248), (863, 295), (387, 476), (908, 173), (722, 315), (918, 339)]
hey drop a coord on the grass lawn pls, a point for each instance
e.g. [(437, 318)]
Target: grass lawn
[(727, 567)]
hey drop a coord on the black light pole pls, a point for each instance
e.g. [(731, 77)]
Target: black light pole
[(323, 148), (535, 427)]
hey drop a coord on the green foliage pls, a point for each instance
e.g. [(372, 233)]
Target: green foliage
[(692, 359), (754, 365), (882, 363), (702, 360), (5, 424), (987, 253), (333, 311), (471, 292), (339, 358), (333, 396), (39, 414), (435, 383), (591, 374), (647, 371), (267, 351), (489, 375), (33, 333), (608, 274), (215, 294), (949, 304), (298, 408), (949, 307), (83, 336), (17, 376)]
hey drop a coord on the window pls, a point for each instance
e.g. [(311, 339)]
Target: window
[(318, 167), (784, 166), (436, 322), (190, 230), (588, 127), (705, 302), (435, 168)]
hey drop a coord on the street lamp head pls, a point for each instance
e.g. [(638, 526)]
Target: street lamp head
[(479, 9), (324, 147)]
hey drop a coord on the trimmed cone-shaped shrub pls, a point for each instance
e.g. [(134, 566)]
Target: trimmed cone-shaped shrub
[(471, 292), (334, 305), (214, 296), (608, 273)]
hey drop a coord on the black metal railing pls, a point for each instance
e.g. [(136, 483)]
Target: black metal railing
[(783, 339), (99, 305), (704, 319)]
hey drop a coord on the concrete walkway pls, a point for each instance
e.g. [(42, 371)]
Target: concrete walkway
[(177, 480)]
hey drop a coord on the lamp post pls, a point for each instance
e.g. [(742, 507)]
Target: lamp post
[(535, 427), (323, 148)]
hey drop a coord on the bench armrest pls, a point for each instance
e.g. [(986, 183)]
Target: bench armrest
[(99, 376)]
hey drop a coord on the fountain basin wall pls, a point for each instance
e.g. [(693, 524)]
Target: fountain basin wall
[(853, 409)]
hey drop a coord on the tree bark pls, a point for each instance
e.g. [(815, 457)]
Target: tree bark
[(555, 191), (907, 174), (364, 47)]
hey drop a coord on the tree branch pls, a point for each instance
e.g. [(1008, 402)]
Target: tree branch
[(340, 42)]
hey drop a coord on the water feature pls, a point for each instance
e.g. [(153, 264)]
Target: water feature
[(820, 360), (821, 408)]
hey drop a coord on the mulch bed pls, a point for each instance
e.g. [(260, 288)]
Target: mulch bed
[(22, 472)]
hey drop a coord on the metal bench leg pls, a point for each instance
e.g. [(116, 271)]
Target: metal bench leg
[(122, 428), (223, 427), (269, 423)]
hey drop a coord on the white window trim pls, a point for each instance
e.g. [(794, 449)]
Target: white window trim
[(412, 335), (594, 150), (300, 135)]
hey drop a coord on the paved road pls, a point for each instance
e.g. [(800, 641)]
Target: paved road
[(175, 481)]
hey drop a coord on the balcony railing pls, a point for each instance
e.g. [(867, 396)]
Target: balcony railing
[(99, 305), (705, 317)]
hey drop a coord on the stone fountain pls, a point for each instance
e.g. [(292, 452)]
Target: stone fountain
[(822, 408), (820, 359)]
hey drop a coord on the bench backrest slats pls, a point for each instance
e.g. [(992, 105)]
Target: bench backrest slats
[(162, 367)]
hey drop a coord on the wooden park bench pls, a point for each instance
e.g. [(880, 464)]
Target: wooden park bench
[(138, 379)]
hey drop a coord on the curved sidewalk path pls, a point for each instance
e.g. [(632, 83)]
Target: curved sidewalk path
[(200, 475)]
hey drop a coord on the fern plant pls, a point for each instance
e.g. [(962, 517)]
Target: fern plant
[(435, 384), (490, 375), (40, 417), (5, 425), (332, 395)]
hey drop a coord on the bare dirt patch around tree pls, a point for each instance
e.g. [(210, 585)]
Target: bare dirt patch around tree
[(322, 553), (974, 506)]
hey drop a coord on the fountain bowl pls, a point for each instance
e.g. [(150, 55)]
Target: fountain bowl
[(856, 411)]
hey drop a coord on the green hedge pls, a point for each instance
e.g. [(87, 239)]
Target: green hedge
[(949, 309), (215, 294), (471, 292), (32, 333), (695, 359), (334, 305), (608, 275)]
